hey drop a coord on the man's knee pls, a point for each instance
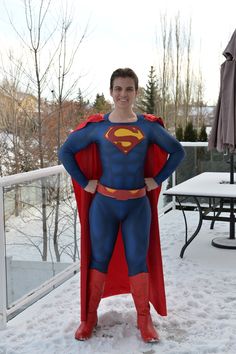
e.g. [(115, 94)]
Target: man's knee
[(137, 266), (100, 265)]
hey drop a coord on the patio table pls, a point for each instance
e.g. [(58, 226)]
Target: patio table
[(213, 195)]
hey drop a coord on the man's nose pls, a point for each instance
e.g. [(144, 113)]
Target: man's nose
[(123, 93)]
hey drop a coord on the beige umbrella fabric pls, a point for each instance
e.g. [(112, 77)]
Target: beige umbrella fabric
[(223, 133)]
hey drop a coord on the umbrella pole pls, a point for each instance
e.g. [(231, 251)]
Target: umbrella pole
[(231, 168), (232, 221)]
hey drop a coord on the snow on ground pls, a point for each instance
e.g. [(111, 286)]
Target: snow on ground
[(201, 298)]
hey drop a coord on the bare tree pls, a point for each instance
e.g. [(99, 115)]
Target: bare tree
[(15, 121), (166, 32), (188, 78), (43, 57), (199, 99), (177, 90), (35, 45), (175, 71), (59, 93)]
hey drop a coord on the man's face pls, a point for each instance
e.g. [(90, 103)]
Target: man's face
[(123, 92)]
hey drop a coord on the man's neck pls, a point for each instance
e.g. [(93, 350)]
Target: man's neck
[(122, 116)]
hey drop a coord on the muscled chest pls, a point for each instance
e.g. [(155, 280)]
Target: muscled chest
[(124, 141)]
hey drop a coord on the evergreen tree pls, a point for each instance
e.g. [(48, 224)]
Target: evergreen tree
[(149, 102), (190, 134), (203, 133), (138, 104), (81, 101), (100, 104), (179, 133)]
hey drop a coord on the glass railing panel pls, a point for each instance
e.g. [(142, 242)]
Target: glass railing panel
[(41, 232)]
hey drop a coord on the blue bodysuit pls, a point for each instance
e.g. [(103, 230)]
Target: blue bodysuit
[(122, 148)]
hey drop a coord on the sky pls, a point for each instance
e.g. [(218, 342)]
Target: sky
[(126, 34)]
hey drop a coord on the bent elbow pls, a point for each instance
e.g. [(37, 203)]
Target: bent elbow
[(60, 154)]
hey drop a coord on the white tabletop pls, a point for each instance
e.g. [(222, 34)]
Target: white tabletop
[(207, 184)]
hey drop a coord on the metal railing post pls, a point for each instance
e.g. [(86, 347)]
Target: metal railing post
[(173, 184), (3, 299)]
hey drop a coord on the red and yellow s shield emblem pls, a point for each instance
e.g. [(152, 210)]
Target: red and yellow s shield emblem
[(125, 138)]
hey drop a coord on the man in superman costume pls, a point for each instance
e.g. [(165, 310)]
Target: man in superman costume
[(117, 162)]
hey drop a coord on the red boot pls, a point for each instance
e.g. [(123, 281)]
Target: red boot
[(139, 286), (96, 287)]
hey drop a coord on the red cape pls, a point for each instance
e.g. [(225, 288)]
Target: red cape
[(117, 278)]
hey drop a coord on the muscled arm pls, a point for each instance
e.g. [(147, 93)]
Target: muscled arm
[(75, 142), (167, 142)]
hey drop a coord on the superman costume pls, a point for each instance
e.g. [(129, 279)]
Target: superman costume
[(120, 155)]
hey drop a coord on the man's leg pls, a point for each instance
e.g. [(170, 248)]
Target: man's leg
[(95, 289), (103, 232), (104, 226), (136, 231)]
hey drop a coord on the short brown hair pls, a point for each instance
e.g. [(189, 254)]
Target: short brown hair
[(124, 72)]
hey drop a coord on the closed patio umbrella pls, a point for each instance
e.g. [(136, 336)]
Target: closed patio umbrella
[(223, 133)]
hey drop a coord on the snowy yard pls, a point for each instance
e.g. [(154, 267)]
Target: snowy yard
[(201, 298)]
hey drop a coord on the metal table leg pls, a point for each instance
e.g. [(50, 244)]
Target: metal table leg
[(218, 213), (189, 240)]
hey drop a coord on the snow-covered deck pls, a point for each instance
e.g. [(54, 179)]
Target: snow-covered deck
[(201, 298)]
